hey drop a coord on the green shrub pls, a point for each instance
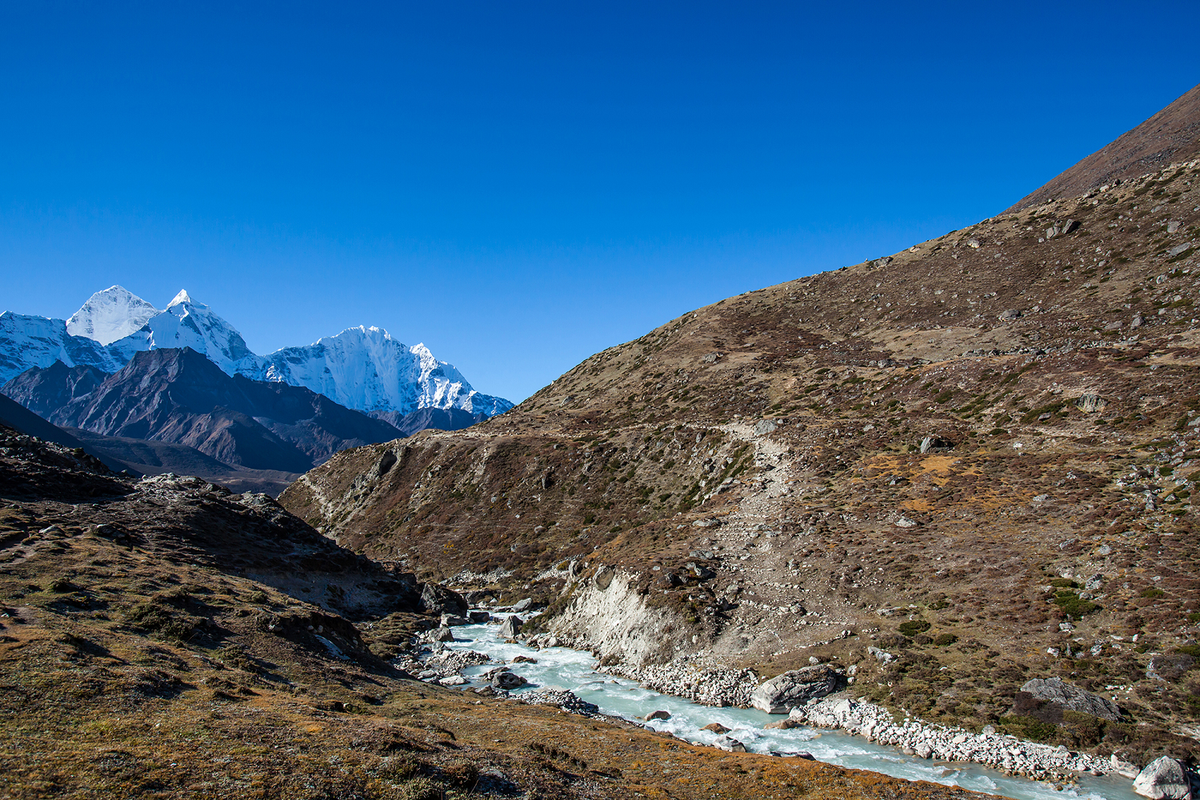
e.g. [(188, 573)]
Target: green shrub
[(945, 639), (1064, 583), (1029, 728), (1152, 592), (1073, 605), (914, 626)]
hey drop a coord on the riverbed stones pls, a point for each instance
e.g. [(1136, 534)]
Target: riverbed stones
[(567, 701), (781, 725), (784, 692), (1163, 778), (1072, 698), (929, 740)]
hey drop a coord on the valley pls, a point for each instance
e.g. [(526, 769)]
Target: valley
[(942, 499)]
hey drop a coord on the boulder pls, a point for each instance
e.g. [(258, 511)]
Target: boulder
[(479, 617), (784, 692), (781, 725), (1163, 778), (1169, 667), (660, 714), (510, 627), (524, 604), (451, 620), (603, 577), (437, 599), (442, 634), (935, 444), (715, 727), (1090, 403), (1054, 690), (729, 745), (507, 680)]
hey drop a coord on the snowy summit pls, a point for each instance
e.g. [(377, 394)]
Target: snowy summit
[(111, 315)]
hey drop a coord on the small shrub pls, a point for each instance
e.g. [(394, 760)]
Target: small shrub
[(945, 639), (1152, 592), (1029, 728), (1064, 583), (1073, 605), (914, 626)]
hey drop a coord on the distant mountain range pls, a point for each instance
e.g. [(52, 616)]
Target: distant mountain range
[(179, 390), (361, 368)]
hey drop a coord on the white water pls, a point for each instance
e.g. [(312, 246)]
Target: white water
[(574, 671)]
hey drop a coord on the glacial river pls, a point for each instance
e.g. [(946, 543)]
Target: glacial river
[(561, 668)]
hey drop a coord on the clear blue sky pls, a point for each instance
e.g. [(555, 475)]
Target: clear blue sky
[(519, 185)]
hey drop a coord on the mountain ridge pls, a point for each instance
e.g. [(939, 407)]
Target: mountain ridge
[(362, 368)]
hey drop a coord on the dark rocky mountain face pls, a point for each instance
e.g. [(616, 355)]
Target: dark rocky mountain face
[(978, 454), (180, 397), (46, 391), (440, 419)]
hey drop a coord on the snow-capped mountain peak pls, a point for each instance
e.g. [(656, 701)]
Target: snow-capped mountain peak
[(367, 369), (110, 315), (187, 323), (182, 297), (363, 368)]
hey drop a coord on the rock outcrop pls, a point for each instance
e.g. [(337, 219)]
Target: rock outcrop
[(784, 692)]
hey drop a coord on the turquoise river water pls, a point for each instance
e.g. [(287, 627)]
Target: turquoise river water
[(575, 671)]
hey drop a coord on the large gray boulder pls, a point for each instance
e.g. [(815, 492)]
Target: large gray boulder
[(437, 599), (1072, 698), (784, 692), (1163, 778), (507, 680), (510, 627)]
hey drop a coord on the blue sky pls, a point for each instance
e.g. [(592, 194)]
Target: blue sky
[(520, 185)]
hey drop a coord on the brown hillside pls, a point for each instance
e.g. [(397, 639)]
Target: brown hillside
[(1172, 135), (167, 639), (991, 432)]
